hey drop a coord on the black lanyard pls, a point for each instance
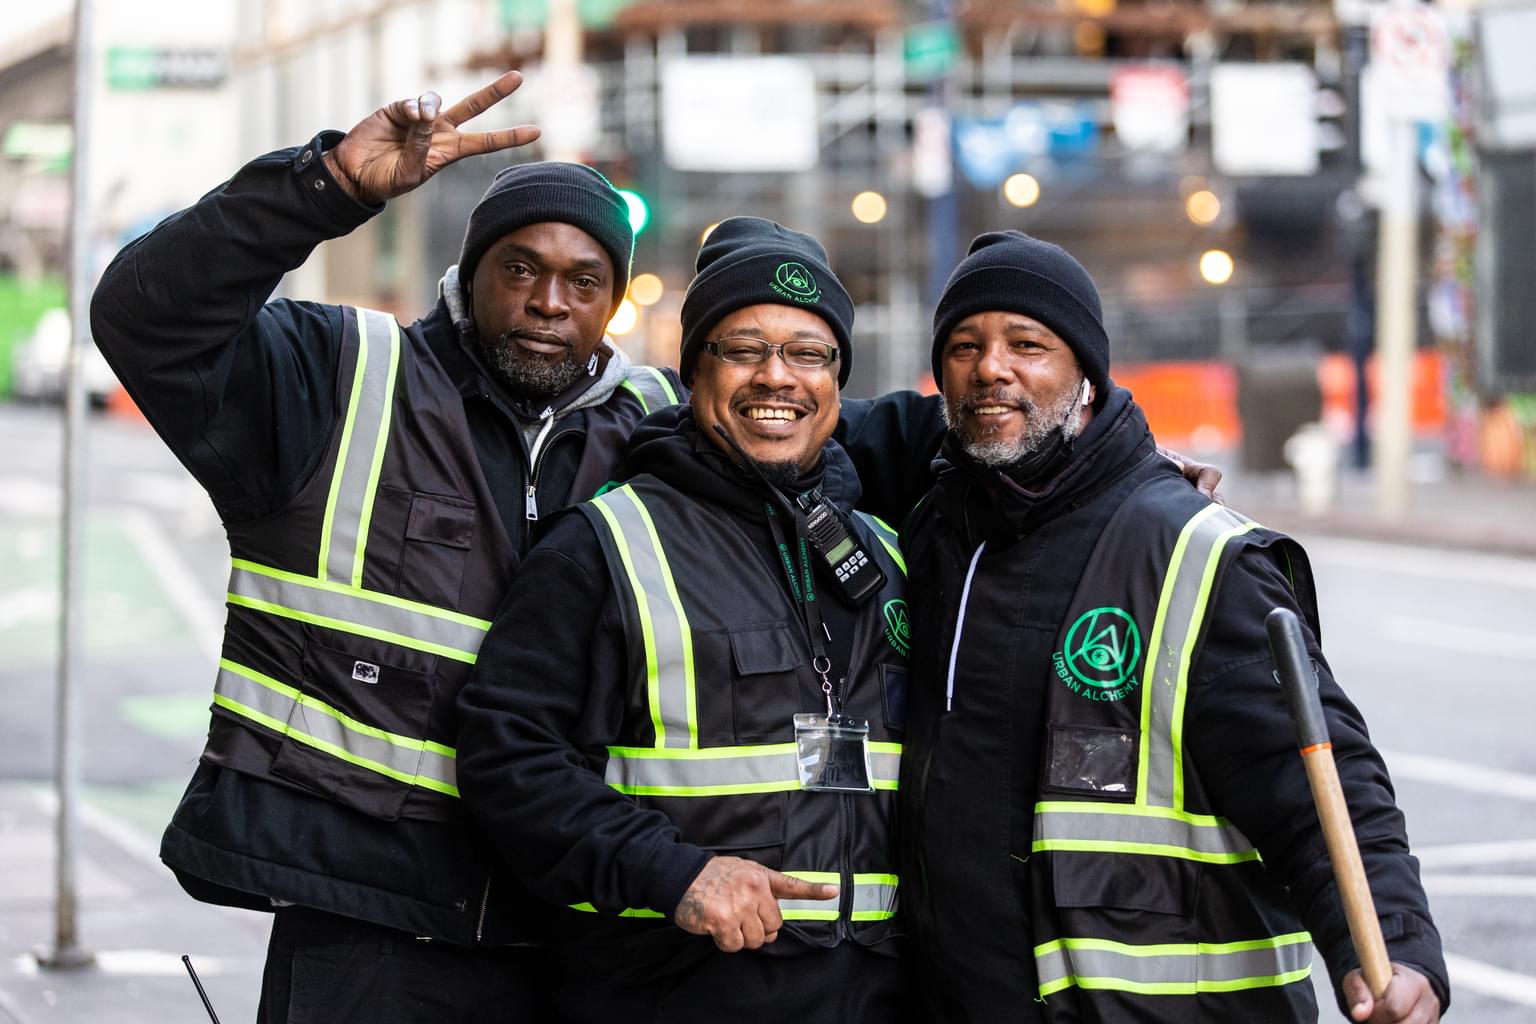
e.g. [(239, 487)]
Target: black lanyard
[(802, 586)]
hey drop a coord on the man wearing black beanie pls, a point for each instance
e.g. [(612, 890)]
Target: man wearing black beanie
[(698, 764), (379, 484), (1103, 814)]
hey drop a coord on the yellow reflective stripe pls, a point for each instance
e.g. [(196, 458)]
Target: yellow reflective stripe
[(874, 896), (725, 771), (684, 632), (1140, 849), (873, 900), (345, 447), (811, 910), (645, 408), (665, 633), (1087, 826), (1181, 607), (587, 908), (352, 610), (354, 481), (1172, 968), (647, 378), (887, 537), (1207, 580), (375, 467), (648, 638), (271, 703), (356, 629)]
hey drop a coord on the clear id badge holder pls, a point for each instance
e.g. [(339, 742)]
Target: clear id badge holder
[(832, 753)]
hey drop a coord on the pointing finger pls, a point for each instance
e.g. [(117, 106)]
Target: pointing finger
[(787, 887), (481, 100)]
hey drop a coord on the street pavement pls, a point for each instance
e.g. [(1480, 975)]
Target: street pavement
[(1428, 631)]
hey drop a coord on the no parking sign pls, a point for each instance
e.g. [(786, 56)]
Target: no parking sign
[(1410, 57)]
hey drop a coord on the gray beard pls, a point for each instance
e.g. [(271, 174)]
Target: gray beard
[(525, 374), (1040, 423)]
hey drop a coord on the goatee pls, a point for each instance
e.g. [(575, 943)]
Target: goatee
[(526, 373)]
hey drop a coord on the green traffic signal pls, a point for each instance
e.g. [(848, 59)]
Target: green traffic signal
[(639, 211)]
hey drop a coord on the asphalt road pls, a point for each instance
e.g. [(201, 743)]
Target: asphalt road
[(1435, 647)]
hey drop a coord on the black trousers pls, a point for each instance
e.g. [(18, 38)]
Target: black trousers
[(325, 969), (847, 984)]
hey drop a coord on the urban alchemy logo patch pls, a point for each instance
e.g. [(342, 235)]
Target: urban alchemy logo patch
[(1098, 660), (898, 628), (795, 282)]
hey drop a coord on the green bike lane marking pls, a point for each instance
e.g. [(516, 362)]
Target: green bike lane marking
[(124, 608)]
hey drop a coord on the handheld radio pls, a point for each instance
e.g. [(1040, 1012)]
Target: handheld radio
[(854, 573)]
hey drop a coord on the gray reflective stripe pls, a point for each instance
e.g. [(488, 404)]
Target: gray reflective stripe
[(651, 387), (664, 625), (726, 771), (1127, 828), (887, 537), (1172, 968), (285, 710), (1181, 607), (874, 897), (364, 433), (360, 612)]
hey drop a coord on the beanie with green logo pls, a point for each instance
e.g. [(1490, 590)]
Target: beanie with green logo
[(749, 261)]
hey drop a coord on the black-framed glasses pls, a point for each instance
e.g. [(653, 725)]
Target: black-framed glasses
[(750, 351)]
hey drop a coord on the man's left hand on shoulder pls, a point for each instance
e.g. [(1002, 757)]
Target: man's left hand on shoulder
[(1202, 475), (1409, 999)]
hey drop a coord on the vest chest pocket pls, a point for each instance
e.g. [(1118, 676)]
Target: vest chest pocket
[(355, 735), (437, 532), (1117, 882), (765, 687)]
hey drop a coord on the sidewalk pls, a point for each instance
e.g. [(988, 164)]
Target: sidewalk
[(133, 917), (1460, 512)]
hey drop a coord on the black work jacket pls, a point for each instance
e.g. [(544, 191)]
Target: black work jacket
[(550, 733), (251, 396), (980, 898)]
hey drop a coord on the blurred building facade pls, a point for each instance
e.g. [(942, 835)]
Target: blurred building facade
[(1203, 159)]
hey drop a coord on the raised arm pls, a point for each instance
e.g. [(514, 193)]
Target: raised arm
[(242, 390)]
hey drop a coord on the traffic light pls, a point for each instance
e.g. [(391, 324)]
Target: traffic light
[(639, 210)]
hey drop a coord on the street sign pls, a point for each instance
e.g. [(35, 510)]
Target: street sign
[(1411, 56), (739, 114), (1263, 119), (140, 67), (930, 49), (1150, 108)]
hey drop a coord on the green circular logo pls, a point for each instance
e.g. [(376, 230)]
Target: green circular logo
[(1102, 648), (898, 627), (794, 280)]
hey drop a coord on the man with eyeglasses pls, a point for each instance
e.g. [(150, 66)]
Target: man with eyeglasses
[(700, 758)]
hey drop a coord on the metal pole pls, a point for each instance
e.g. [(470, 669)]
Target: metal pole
[(562, 54), (66, 951), (1396, 319)]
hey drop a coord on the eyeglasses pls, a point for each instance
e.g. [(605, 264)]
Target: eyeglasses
[(751, 351)]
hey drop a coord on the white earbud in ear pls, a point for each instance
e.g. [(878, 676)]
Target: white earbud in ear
[(1087, 392)]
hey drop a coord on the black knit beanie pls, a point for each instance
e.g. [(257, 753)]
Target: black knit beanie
[(1009, 271), (748, 261), (535, 193)]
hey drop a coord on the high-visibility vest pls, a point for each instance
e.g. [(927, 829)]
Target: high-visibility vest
[(719, 663), (1143, 895), (355, 615)]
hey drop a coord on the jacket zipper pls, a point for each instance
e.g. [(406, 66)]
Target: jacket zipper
[(485, 902), (845, 896), (531, 496)]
